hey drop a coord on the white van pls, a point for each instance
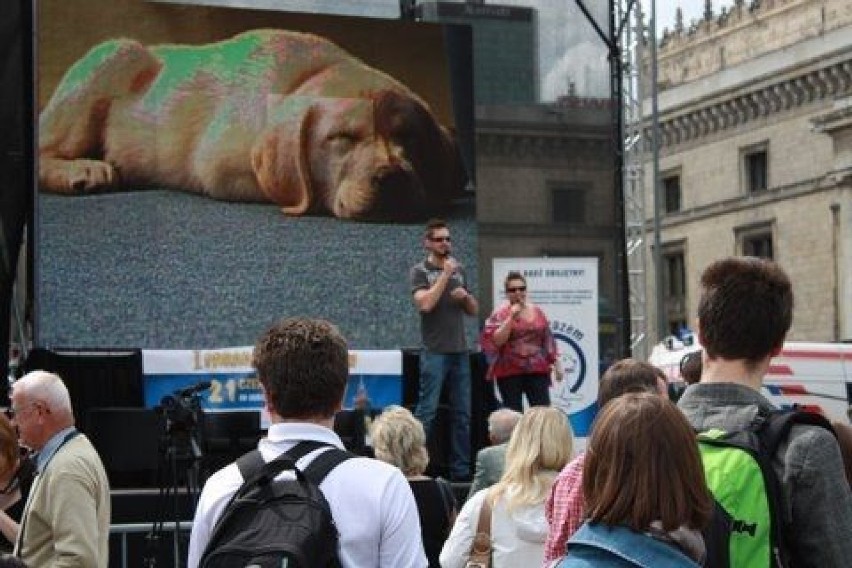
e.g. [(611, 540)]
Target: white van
[(812, 376)]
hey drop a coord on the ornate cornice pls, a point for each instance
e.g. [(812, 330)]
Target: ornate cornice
[(817, 85), (741, 32), (838, 118)]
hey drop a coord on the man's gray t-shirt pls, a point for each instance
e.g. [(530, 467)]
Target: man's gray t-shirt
[(442, 329)]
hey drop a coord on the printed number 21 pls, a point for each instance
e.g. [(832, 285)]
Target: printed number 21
[(218, 395)]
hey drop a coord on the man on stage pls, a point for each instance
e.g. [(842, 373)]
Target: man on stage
[(439, 286)]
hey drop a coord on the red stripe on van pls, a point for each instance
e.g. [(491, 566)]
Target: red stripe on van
[(797, 354)]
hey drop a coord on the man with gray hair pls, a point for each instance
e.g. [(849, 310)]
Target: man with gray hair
[(66, 517), (491, 460)]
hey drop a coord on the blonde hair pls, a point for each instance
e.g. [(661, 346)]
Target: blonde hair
[(540, 446), (399, 439)]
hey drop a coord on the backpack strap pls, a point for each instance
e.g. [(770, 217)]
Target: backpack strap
[(303, 448), (774, 427), (252, 465), (324, 463)]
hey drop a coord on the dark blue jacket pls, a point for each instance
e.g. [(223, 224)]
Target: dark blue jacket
[(600, 546)]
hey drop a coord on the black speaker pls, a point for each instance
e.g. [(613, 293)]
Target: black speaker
[(349, 425), (482, 403), (95, 378), (227, 435), (128, 441)]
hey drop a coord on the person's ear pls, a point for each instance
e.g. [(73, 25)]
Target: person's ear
[(268, 400)]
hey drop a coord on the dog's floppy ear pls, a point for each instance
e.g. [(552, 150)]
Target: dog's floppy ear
[(280, 157)]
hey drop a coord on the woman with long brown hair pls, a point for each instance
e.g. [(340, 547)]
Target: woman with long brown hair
[(643, 486)]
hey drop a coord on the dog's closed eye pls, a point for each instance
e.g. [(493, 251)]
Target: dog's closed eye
[(341, 141)]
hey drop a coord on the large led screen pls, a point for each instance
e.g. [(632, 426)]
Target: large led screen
[(205, 171)]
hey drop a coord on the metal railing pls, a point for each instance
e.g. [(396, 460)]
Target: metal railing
[(125, 529)]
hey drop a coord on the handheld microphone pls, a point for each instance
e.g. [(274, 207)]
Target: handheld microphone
[(456, 262)]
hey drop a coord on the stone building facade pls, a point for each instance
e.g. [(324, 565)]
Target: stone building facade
[(755, 113)]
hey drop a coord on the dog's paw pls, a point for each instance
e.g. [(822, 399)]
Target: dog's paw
[(76, 176)]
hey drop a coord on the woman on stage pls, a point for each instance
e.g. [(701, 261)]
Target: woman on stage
[(520, 348)]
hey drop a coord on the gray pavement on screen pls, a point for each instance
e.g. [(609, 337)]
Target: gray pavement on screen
[(170, 270)]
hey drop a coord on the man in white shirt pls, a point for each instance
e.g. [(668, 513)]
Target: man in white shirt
[(303, 367)]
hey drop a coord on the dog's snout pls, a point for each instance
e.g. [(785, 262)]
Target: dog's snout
[(397, 195), (384, 176)]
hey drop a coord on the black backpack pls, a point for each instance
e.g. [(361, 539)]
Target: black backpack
[(748, 530), (284, 523)]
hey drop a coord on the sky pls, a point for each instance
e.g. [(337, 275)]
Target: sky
[(692, 10), (570, 52)]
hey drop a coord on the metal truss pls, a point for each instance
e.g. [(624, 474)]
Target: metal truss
[(635, 150)]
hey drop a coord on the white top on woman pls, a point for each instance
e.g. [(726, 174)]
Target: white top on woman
[(517, 538)]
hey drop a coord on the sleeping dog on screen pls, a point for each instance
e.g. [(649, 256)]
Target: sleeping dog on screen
[(266, 116)]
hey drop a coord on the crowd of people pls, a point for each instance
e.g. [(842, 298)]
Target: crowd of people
[(637, 495)]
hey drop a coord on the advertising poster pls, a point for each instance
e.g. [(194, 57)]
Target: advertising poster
[(224, 379), (566, 289)]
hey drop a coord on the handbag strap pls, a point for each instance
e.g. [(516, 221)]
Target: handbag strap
[(480, 548), (483, 525)]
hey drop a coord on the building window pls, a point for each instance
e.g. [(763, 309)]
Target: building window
[(675, 275), (569, 205), (671, 190), (756, 240), (758, 245), (674, 286), (755, 169)]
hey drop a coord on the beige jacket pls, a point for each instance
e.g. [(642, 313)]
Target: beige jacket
[(66, 519)]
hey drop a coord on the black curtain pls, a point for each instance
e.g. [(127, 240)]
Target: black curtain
[(14, 196)]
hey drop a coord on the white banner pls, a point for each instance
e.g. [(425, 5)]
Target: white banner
[(375, 377), (566, 289)]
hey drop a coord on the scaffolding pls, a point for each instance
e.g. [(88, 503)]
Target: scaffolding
[(635, 151), (625, 39)]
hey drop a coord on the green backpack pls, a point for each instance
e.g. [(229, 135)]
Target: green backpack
[(748, 530)]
